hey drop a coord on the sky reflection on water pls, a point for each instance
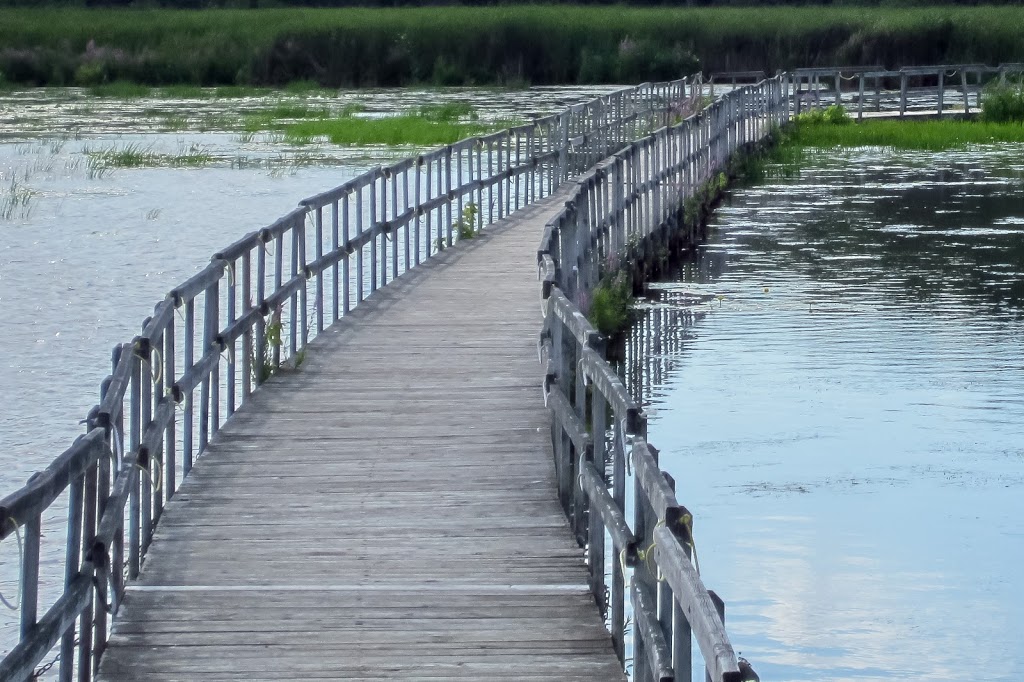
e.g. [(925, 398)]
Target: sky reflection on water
[(847, 423)]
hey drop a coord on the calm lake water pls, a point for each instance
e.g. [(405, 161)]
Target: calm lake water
[(90, 253), (845, 417)]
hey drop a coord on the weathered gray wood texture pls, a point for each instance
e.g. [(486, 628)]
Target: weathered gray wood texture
[(388, 510)]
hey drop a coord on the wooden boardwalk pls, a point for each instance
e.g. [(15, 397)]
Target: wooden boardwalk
[(389, 511)]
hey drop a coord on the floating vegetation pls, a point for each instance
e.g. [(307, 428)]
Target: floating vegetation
[(426, 125)]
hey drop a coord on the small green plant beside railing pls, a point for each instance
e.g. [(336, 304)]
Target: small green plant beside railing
[(264, 362), (1004, 104), (611, 303), (466, 224)]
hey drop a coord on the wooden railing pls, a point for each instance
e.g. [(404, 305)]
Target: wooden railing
[(940, 90), (249, 314), (598, 431)]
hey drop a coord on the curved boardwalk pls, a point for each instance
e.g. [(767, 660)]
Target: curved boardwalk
[(388, 511)]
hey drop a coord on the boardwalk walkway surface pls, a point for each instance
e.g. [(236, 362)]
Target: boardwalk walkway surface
[(387, 511)]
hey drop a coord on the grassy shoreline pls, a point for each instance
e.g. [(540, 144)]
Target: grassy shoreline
[(539, 44), (922, 135)]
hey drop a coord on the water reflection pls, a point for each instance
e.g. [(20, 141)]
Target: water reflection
[(836, 387)]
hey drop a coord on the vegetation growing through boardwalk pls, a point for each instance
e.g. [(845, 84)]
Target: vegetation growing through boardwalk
[(483, 45)]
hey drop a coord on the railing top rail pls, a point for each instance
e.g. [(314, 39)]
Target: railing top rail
[(728, 75), (45, 486)]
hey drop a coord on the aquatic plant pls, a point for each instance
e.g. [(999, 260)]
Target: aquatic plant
[(425, 125), (611, 303), (15, 203), (100, 161)]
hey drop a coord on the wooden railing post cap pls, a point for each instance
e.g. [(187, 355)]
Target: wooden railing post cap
[(141, 347)]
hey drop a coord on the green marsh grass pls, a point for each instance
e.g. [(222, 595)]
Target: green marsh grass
[(100, 162), (405, 129), (540, 44), (424, 126), (925, 135), (832, 127)]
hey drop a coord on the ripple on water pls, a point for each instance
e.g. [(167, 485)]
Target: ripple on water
[(845, 417)]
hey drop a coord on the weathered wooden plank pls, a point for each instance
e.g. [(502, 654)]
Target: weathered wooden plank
[(388, 510)]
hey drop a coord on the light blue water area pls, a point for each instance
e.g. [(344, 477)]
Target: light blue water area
[(847, 422)]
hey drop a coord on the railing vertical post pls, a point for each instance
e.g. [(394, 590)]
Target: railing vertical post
[(418, 212), (384, 181), (261, 354), (674, 621), (963, 86), (247, 335), (117, 555), (860, 98), (170, 436), (502, 167), (335, 269), (407, 260), (318, 227), (448, 193), (72, 560), (93, 634), (299, 260), (213, 320), (563, 146), (903, 94), (645, 573), (371, 226), (346, 275), (394, 224), (278, 282), (459, 185), (30, 573), (942, 90), (232, 284), (146, 467), (134, 504), (359, 250)]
